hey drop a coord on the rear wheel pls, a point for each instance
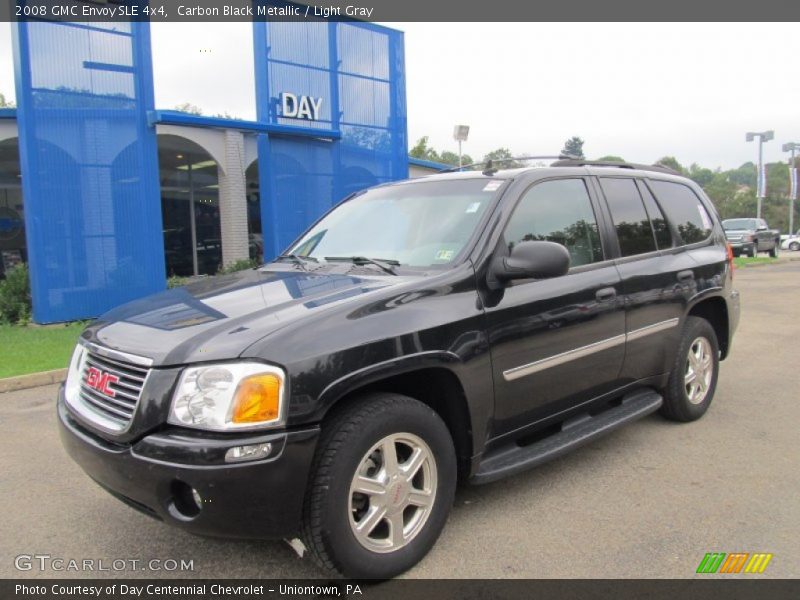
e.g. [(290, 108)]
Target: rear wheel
[(693, 379), (382, 485), (795, 246), (774, 252)]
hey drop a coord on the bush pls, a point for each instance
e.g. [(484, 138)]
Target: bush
[(15, 296), (239, 265), (176, 281)]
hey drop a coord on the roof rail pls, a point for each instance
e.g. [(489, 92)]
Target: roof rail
[(579, 162), (491, 169)]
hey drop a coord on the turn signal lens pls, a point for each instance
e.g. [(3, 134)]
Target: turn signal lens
[(257, 400)]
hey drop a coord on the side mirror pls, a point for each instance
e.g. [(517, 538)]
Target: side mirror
[(762, 228), (530, 260)]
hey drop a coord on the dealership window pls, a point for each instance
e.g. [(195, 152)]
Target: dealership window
[(13, 249), (254, 233), (633, 227), (190, 208), (558, 211)]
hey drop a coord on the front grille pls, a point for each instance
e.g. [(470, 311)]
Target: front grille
[(111, 388)]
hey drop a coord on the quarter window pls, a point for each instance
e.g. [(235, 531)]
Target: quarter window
[(657, 220), (558, 211), (684, 210), (633, 227)]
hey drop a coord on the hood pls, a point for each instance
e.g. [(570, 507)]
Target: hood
[(219, 317)]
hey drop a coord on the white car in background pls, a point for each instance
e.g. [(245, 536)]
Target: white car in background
[(791, 241)]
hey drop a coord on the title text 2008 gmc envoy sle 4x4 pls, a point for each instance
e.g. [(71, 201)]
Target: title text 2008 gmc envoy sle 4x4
[(464, 326)]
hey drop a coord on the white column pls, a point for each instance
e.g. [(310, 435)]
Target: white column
[(233, 200)]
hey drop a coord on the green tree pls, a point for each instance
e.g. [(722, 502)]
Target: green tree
[(744, 175), (574, 147), (502, 159), (672, 163), (451, 158), (6, 103), (423, 151), (188, 107), (700, 175), (611, 158)]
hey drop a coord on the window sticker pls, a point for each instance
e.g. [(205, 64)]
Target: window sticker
[(704, 217), (473, 208), (445, 255), (492, 186)]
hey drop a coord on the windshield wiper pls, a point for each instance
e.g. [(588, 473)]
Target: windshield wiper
[(303, 261), (387, 265)]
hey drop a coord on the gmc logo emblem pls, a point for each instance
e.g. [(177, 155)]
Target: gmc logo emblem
[(100, 381)]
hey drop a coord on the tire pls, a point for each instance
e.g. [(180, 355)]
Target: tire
[(754, 250), (795, 246), (774, 251), (355, 441), (681, 403)]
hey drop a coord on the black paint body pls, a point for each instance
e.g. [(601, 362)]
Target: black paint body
[(338, 334)]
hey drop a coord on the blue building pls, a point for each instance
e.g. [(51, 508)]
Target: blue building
[(105, 196)]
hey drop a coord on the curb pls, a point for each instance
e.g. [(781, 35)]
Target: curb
[(32, 380)]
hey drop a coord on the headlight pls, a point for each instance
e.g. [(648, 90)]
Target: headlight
[(72, 385), (229, 397)]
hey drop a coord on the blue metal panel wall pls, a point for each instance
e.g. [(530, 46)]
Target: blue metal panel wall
[(358, 70), (89, 166)]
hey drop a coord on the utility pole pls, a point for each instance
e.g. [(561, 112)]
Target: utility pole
[(761, 184), (792, 147)]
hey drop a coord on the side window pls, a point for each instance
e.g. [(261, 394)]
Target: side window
[(630, 219), (557, 211), (683, 209), (657, 220)]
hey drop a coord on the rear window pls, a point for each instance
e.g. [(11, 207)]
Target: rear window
[(684, 210)]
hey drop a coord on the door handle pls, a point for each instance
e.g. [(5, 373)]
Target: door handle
[(684, 276), (605, 294)]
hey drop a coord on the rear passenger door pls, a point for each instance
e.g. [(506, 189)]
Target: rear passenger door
[(657, 278)]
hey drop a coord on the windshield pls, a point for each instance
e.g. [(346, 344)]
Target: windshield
[(417, 224), (739, 224)]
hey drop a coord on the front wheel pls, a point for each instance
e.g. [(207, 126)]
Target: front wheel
[(754, 250), (382, 485), (693, 379)]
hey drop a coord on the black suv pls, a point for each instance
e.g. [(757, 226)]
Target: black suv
[(463, 326)]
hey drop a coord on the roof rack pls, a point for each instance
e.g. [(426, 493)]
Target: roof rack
[(579, 162), (490, 169)]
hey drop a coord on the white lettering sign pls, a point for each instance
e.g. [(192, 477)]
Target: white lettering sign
[(300, 107)]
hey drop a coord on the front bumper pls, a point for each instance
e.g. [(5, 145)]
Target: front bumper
[(740, 246), (261, 499)]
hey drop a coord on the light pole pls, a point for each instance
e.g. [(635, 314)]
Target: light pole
[(460, 134), (763, 136), (792, 147)]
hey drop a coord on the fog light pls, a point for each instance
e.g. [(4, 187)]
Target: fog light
[(249, 452)]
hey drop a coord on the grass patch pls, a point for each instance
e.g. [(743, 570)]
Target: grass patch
[(746, 261), (33, 349)]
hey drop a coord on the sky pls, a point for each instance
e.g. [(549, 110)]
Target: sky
[(636, 90)]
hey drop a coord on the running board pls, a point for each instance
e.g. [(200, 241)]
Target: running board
[(574, 433)]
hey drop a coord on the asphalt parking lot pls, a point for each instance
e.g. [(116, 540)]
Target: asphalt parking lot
[(648, 501)]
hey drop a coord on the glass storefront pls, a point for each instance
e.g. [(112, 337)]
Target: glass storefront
[(190, 208), (254, 233), (13, 250)]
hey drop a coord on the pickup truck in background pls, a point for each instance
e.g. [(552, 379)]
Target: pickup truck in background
[(751, 236)]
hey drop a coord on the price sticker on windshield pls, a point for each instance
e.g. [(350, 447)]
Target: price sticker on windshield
[(492, 186)]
